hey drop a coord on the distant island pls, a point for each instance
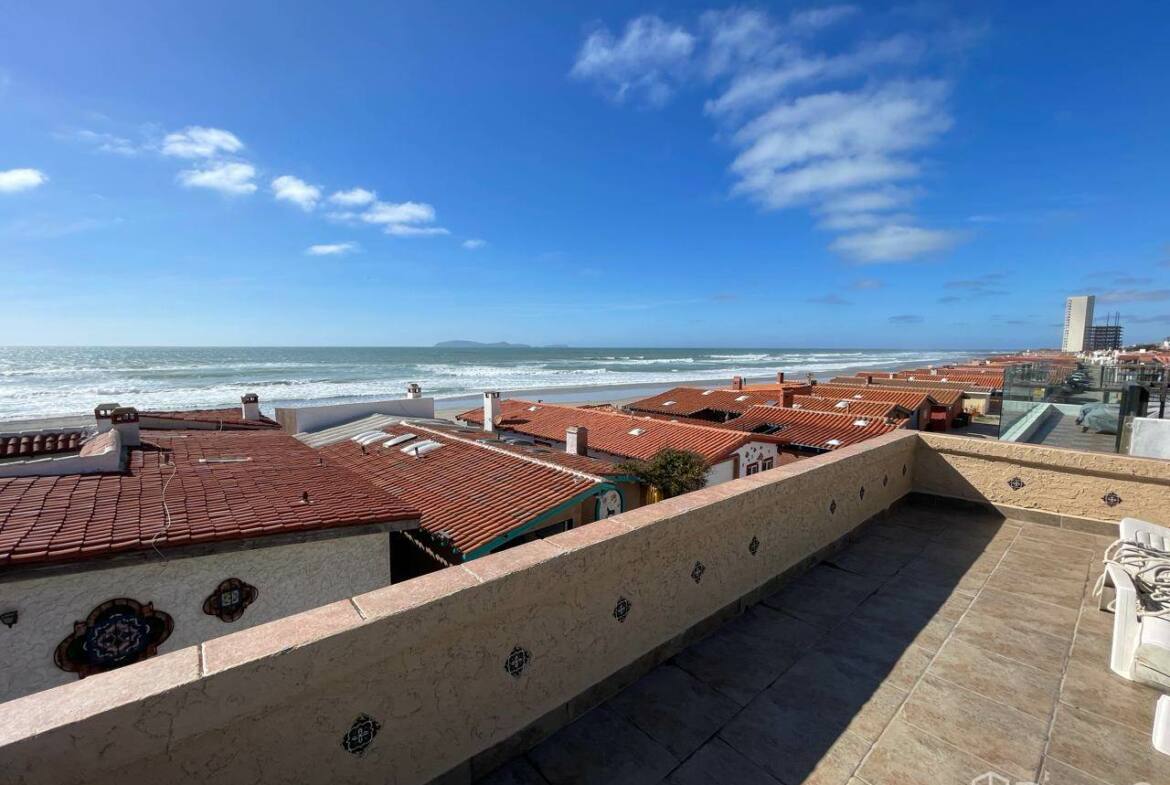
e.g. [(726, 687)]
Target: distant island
[(496, 345)]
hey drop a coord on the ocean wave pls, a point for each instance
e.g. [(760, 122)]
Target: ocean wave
[(47, 382)]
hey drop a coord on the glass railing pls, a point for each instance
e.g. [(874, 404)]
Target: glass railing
[(1079, 405)]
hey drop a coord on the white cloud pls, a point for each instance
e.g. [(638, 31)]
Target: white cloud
[(756, 86), (228, 178), (287, 188), (14, 180), (199, 142), (399, 213), (404, 219), (354, 197), (836, 129), (332, 249), (646, 62), (894, 243), (474, 244)]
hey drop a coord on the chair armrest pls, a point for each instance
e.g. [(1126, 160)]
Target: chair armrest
[(1127, 625)]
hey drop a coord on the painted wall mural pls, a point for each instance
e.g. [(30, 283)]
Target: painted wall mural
[(118, 632), (608, 504), (230, 599)]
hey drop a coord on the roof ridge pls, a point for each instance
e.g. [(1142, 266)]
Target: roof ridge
[(502, 451)]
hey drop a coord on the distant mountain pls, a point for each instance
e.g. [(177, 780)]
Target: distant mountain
[(480, 345)]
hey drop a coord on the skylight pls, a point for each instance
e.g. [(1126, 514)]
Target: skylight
[(421, 448), (770, 403), (859, 396), (842, 404), (707, 392), (669, 403), (833, 442), (533, 408), (366, 438), (743, 397), (861, 423), (400, 439), (636, 431)]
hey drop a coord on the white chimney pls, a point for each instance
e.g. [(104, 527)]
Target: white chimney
[(251, 406), (491, 409), (101, 415), (577, 440), (413, 391), (124, 420)]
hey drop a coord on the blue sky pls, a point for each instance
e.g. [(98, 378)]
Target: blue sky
[(913, 175)]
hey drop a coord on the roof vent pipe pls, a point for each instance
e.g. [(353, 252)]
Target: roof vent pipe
[(124, 421), (577, 440), (250, 407), (101, 415), (491, 410)]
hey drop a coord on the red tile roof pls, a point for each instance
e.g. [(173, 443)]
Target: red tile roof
[(610, 432), (229, 418), (986, 379), (580, 463), (470, 492), (819, 430), (851, 406), (30, 445), (689, 401), (911, 399), (985, 386), (210, 496)]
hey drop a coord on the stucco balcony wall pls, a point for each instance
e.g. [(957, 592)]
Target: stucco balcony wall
[(1086, 491), (428, 659)]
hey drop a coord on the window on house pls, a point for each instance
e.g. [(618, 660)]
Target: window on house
[(767, 463), (751, 468)]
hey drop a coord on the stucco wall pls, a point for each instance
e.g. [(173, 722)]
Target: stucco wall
[(427, 658), (290, 579), (1076, 485), (296, 419)]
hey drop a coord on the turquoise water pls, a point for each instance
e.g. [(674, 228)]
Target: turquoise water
[(44, 381)]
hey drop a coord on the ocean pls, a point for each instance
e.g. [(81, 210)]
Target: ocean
[(54, 381)]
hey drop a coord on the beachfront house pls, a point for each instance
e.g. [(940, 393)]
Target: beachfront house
[(120, 541), (476, 493), (617, 436)]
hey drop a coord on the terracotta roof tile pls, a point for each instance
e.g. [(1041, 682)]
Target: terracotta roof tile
[(819, 430), (47, 442), (210, 496), (911, 399), (689, 401), (850, 405), (470, 491), (612, 432)]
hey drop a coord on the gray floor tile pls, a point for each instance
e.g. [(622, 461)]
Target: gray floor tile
[(1030, 690), (748, 653), (601, 748), (718, 764), (824, 595), (674, 708), (518, 771)]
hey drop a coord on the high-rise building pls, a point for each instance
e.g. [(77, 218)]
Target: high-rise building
[(1078, 318)]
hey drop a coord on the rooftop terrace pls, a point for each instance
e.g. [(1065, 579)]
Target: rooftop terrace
[(911, 610), (943, 644)]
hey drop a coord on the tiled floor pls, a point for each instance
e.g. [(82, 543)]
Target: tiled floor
[(941, 646), (1064, 432)]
